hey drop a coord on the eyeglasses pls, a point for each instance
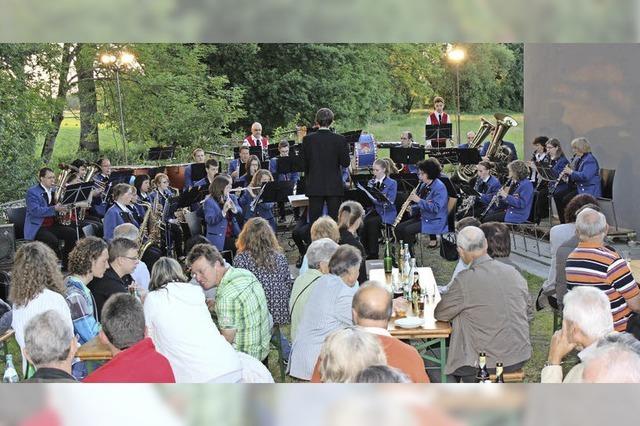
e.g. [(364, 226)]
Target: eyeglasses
[(135, 259)]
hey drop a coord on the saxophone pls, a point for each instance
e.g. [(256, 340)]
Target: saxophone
[(149, 228)]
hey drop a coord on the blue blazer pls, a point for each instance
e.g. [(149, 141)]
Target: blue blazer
[(518, 205), (37, 209), (263, 210), (98, 208), (463, 146), (387, 211), (116, 216), (188, 181), (557, 168), (512, 147), (217, 223), (433, 209), (587, 176), (286, 177), (493, 186)]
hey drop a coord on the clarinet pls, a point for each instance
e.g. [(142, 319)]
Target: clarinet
[(496, 198)]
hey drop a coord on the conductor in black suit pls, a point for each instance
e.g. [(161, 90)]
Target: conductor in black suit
[(324, 153)]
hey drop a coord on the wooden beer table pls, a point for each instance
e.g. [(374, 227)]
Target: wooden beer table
[(425, 338), (93, 352)]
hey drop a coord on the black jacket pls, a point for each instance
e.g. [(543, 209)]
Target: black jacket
[(51, 375), (348, 238), (103, 288), (324, 154)]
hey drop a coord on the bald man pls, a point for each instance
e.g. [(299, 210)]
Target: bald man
[(371, 310), (256, 138)]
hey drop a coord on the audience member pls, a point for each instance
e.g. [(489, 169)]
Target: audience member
[(330, 310), (123, 259), (371, 310), (318, 255), (324, 227), (140, 275), (347, 352), (135, 359), (460, 225), (487, 305), (50, 347), (350, 220), (240, 305), (381, 374), (615, 360), (586, 319), (595, 264)]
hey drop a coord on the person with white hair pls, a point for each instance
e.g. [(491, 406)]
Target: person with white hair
[(586, 320), (615, 360), (50, 346), (597, 265), (487, 306), (318, 255)]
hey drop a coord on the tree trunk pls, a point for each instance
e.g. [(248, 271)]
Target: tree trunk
[(68, 53), (88, 99)]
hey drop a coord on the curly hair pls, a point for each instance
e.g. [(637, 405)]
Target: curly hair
[(86, 251), (35, 268), (258, 239), (575, 204), (519, 168)]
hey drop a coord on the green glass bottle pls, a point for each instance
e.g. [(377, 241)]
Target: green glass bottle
[(388, 260)]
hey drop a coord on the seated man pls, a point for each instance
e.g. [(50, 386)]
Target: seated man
[(123, 259), (586, 320), (371, 310), (140, 275), (135, 359), (487, 306), (615, 360), (212, 168), (234, 165), (471, 135), (241, 305), (50, 346), (594, 264)]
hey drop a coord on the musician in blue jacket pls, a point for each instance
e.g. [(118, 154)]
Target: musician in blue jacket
[(221, 210), (557, 161), (41, 211), (487, 185), (248, 197), (119, 212), (429, 213), (382, 212), (100, 202), (198, 156), (582, 176), (283, 149), (212, 168), (514, 203), (234, 165)]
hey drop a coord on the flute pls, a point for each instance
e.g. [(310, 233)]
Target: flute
[(243, 188)]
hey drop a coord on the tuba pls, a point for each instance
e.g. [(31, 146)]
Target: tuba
[(468, 171), (63, 177), (496, 151)]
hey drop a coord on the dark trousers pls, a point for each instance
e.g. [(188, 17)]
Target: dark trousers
[(408, 230), (495, 216), (541, 208), (51, 236), (316, 203), (301, 236), (371, 234), (562, 198)]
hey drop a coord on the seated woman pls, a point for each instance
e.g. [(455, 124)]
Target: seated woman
[(515, 200), (161, 187), (262, 209), (330, 310), (350, 219), (182, 330), (487, 185), (429, 213), (323, 227), (252, 167), (382, 213), (221, 210), (142, 184), (557, 161), (119, 212)]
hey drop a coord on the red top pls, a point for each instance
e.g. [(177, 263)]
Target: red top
[(141, 363), (264, 141)]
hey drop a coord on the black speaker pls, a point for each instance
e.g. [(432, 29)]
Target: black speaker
[(7, 242)]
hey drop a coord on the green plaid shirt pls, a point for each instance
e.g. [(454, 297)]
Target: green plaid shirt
[(242, 305)]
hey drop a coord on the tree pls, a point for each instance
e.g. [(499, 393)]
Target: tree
[(89, 139)]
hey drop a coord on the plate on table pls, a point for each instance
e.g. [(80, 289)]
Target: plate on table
[(409, 322)]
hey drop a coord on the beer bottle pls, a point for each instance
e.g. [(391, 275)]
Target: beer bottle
[(416, 290), (499, 373), (388, 260), (10, 373), (406, 265), (482, 376), (400, 260)]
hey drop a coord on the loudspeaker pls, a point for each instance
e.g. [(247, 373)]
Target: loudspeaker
[(7, 242)]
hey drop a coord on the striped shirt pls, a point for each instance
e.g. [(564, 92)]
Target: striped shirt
[(601, 267)]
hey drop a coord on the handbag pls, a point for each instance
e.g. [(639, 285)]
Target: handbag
[(448, 246)]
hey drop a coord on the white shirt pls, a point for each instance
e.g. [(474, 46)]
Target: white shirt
[(141, 276), (48, 192), (182, 330)]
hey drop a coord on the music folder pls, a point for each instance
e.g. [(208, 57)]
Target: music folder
[(276, 191), (406, 155), (253, 150), (545, 171), (198, 171), (194, 195), (291, 164), (77, 193), (468, 156), (373, 193), (438, 131)]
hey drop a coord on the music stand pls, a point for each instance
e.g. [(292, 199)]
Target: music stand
[(359, 196), (161, 153), (373, 193), (547, 174), (406, 155), (352, 136), (438, 131), (275, 192), (468, 156), (253, 150), (194, 195), (198, 171), (406, 181), (274, 149), (74, 194)]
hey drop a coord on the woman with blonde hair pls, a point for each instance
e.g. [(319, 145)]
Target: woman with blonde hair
[(36, 287), (323, 227), (350, 220), (383, 213), (261, 209), (179, 322), (337, 361)]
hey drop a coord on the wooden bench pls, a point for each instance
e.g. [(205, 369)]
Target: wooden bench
[(7, 335), (514, 377)]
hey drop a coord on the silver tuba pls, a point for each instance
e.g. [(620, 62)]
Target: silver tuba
[(467, 172)]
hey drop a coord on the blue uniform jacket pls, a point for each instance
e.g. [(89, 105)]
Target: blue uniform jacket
[(188, 181), (587, 176), (116, 216), (263, 210), (217, 223), (433, 209), (512, 147), (493, 186), (98, 207), (387, 211), (283, 177), (518, 205), (37, 209)]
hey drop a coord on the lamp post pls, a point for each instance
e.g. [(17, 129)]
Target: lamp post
[(124, 60), (456, 55)]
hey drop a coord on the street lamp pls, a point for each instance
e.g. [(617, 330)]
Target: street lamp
[(456, 55), (123, 61)]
